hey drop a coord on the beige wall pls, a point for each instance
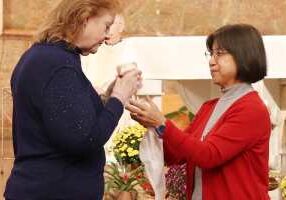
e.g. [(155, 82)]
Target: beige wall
[(148, 17), (26, 14), (1, 17), (167, 17)]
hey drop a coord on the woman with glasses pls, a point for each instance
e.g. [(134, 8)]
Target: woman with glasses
[(60, 124), (226, 145)]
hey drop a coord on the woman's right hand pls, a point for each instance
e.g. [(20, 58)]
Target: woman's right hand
[(127, 85), (146, 112)]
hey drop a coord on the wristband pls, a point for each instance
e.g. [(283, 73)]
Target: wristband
[(160, 130)]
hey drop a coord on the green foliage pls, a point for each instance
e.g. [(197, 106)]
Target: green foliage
[(122, 177), (182, 110)]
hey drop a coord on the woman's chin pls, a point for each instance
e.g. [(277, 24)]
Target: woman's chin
[(89, 51), (83, 53), (216, 82)]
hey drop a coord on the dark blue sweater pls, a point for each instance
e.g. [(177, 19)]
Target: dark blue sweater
[(59, 127)]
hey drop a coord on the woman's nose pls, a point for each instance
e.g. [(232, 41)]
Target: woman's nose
[(108, 35), (212, 61)]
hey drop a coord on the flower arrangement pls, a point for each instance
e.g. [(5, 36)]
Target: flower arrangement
[(283, 187), (126, 144), (176, 182), (126, 151), (122, 177)]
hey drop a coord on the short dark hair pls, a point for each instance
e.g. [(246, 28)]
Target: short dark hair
[(245, 44)]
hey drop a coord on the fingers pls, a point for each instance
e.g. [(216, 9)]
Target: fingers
[(123, 69), (134, 72), (134, 109), (149, 100), (132, 78), (141, 120), (113, 83), (145, 119), (110, 87), (122, 74), (135, 117), (128, 69), (151, 103), (138, 104)]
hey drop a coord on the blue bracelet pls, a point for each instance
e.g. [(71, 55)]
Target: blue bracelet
[(160, 130)]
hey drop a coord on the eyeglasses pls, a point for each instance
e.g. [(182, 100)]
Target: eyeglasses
[(216, 53)]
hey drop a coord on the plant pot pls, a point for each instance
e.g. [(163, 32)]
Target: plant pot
[(126, 195), (134, 166), (273, 184)]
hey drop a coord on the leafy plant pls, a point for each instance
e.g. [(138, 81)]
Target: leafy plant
[(182, 110), (123, 177)]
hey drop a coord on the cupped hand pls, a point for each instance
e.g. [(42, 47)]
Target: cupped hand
[(127, 85), (109, 89), (145, 112)]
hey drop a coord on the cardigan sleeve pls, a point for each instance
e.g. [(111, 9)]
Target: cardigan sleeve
[(71, 118), (243, 126), (171, 155)]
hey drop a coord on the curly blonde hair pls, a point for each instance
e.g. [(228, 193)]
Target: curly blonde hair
[(66, 21)]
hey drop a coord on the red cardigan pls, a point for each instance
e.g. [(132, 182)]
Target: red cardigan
[(234, 155)]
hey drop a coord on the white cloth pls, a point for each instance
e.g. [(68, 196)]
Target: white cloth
[(152, 156)]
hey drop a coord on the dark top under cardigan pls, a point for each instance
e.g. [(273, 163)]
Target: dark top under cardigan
[(59, 127)]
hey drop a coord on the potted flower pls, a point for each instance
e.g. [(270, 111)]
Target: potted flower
[(126, 144), (126, 150), (121, 180)]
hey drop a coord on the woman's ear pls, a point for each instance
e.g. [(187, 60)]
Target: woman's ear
[(84, 23)]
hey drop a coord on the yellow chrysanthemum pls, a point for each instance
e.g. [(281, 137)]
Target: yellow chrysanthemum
[(135, 152), (126, 143), (130, 149), (283, 183)]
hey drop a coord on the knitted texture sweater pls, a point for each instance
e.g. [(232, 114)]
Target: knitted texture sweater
[(59, 127)]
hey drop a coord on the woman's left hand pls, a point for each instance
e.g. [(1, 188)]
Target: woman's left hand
[(110, 88), (145, 112)]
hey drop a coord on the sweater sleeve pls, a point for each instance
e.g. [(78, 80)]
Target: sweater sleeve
[(238, 132), (171, 155), (71, 118)]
